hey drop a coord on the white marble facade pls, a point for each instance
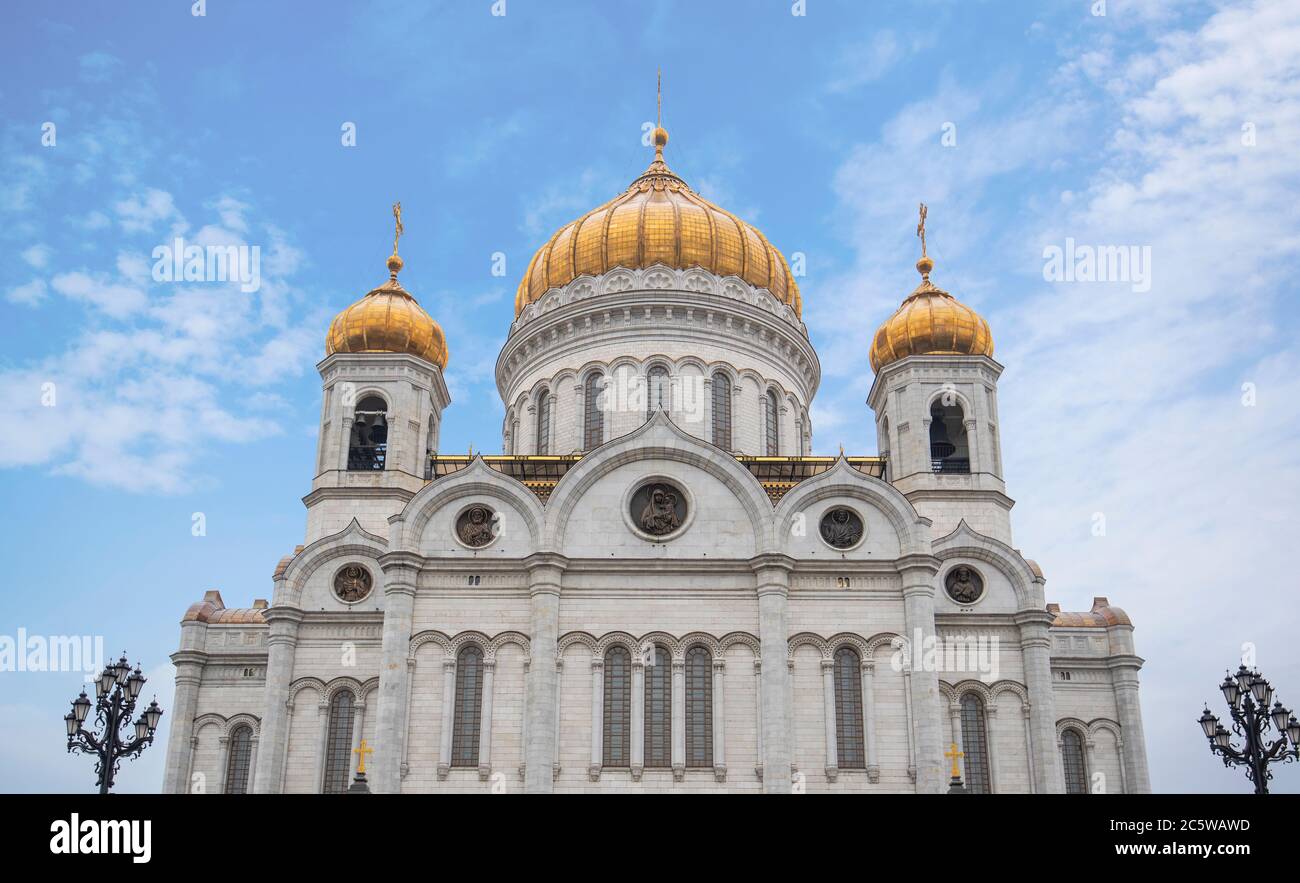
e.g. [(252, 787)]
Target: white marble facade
[(745, 594)]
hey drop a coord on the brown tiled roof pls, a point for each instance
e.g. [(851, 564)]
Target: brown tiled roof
[(284, 563), (1101, 616), (213, 610)]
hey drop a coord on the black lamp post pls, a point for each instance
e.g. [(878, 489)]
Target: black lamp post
[(1248, 694), (117, 689)]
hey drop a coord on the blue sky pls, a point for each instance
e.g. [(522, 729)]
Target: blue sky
[(824, 130)]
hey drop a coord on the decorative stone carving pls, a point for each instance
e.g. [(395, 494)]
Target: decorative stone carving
[(353, 583), (964, 585), (476, 526), (659, 508), (842, 528)]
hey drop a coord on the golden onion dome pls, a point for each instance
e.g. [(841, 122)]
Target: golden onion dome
[(658, 220), (930, 321), (388, 320)]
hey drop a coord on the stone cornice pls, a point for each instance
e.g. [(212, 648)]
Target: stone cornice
[(928, 367), (1125, 660), (1033, 617), (282, 613), (192, 657), (776, 560), (546, 559), (958, 494), (424, 375), (362, 493)]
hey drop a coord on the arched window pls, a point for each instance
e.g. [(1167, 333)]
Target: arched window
[(469, 707), (618, 708), (722, 410), (948, 449), (699, 707), (338, 743), (544, 422), (975, 744), (770, 411), (659, 709), (657, 392), (369, 441), (593, 414), (241, 755), (848, 710), (1076, 771)]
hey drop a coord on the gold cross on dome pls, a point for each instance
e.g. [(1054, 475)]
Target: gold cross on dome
[(954, 754), (399, 229), (361, 751), (659, 117), (920, 228)]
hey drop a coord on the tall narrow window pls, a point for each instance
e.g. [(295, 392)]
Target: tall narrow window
[(469, 707), (368, 445), (722, 411), (699, 707), (975, 744), (241, 753), (1076, 773), (338, 744), (544, 422), (593, 415), (659, 710), (848, 710), (618, 708), (657, 394), (770, 410)]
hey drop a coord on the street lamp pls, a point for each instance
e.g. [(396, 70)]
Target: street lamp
[(1248, 694), (116, 689)]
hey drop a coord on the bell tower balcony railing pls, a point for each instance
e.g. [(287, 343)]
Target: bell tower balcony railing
[(942, 459), (366, 458)]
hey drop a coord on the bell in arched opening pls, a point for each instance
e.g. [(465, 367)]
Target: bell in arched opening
[(948, 450), (368, 444)]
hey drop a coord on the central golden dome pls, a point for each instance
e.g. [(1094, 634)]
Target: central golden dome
[(658, 220)]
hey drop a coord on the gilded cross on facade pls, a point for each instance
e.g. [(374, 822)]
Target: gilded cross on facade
[(398, 228), (361, 751), (952, 752)]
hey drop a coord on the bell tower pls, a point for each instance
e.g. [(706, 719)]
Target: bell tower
[(935, 398), (381, 407)]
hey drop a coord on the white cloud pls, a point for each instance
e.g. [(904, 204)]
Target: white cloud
[(30, 294), (231, 211), (114, 299), (868, 60), (37, 256), (98, 67), (142, 212), (145, 390)]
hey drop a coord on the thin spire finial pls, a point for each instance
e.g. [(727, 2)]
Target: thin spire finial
[(398, 229), (659, 116), (394, 262), (924, 265), (920, 228), (660, 133)]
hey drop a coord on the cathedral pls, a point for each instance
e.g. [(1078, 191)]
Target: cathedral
[(656, 587)]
